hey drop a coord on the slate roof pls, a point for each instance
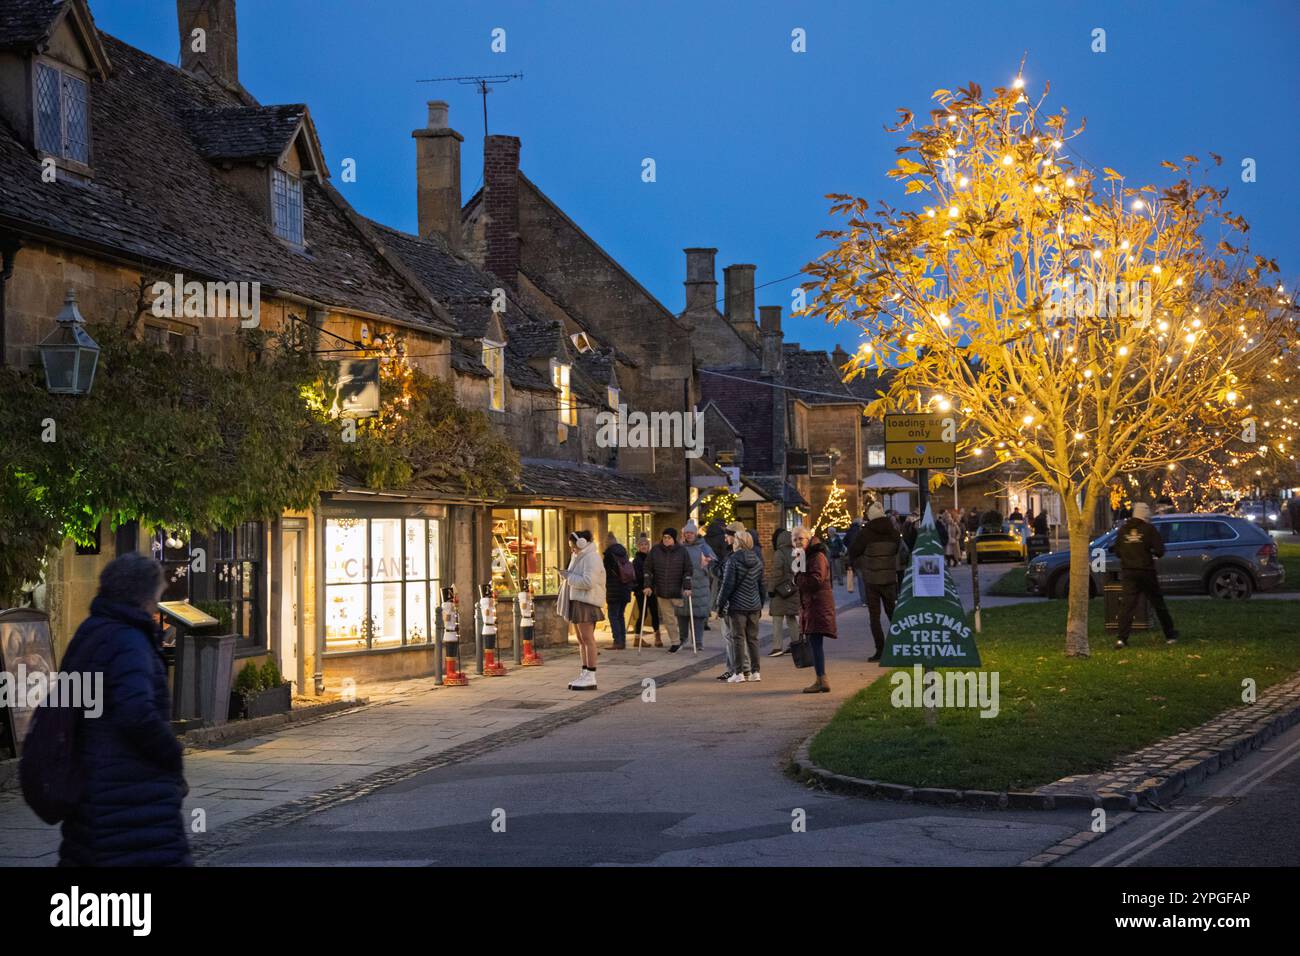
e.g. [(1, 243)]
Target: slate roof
[(770, 485), (870, 385), (573, 481), (24, 23), (814, 371), (746, 400), (157, 201), (245, 133)]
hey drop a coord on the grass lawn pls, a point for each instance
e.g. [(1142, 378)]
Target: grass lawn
[(1289, 554), (1060, 716), (1011, 584)]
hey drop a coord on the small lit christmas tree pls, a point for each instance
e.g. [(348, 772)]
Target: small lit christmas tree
[(834, 513), (719, 506)]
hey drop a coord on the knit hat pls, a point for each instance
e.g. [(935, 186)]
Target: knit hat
[(736, 527), (691, 526), (1142, 511), (875, 511), (671, 532)]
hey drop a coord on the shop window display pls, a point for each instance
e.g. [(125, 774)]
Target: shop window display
[(526, 547)]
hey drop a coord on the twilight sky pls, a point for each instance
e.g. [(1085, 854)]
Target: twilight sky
[(748, 136)]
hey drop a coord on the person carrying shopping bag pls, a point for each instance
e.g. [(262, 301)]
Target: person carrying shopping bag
[(816, 602)]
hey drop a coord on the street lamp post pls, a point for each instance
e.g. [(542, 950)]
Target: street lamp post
[(69, 354)]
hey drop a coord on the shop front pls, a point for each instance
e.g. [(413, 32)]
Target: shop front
[(381, 563)]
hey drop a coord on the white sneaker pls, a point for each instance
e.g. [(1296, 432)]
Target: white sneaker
[(736, 679), (586, 681), (755, 676)]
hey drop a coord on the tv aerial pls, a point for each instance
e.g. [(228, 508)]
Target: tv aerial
[(484, 84)]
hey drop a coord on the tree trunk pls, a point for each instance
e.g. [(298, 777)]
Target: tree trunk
[(1076, 622)]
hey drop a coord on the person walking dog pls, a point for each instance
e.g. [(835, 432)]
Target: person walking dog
[(584, 582), (1138, 545), (816, 602), (740, 598)]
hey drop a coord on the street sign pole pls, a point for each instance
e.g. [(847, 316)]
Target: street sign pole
[(923, 490)]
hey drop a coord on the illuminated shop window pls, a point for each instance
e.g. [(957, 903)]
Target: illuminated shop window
[(381, 582), (526, 545)]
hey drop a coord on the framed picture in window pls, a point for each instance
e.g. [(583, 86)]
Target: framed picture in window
[(26, 649)]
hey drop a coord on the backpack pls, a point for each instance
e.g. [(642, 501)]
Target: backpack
[(49, 770), (626, 573)]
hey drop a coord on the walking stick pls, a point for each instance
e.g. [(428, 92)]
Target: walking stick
[(690, 609), (643, 602)]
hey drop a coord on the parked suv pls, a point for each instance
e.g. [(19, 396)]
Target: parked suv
[(1225, 556)]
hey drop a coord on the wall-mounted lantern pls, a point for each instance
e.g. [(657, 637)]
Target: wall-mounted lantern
[(69, 354)]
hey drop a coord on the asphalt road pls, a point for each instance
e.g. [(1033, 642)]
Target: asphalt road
[(695, 777)]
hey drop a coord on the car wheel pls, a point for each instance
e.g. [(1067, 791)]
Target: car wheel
[(1230, 584), (1059, 586)]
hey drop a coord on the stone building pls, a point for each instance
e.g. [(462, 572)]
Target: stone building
[(164, 171)]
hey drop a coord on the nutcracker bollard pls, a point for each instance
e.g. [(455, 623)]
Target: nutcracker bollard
[(454, 677), (527, 626), (486, 618)]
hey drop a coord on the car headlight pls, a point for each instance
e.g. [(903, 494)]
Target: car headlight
[(1250, 517), (1272, 517), (1038, 567)]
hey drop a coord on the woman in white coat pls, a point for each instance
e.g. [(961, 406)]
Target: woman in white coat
[(584, 584)]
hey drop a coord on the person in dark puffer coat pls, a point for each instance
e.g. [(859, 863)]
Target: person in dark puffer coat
[(129, 813), (741, 598)]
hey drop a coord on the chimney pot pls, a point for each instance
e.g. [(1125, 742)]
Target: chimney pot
[(739, 294), (438, 110), (769, 318), (701, 281)]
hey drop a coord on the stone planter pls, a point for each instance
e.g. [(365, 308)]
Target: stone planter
[(264, 703)]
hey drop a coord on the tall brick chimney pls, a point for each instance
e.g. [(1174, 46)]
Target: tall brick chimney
[(701, 282), (501, 206), (773, 339), (739, 286), (219, 59), (437, 177)]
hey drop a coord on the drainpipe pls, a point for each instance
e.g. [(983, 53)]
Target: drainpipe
[(9, 246)]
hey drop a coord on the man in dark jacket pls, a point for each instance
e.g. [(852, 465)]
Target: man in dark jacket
[(646, 606), (668, 573), (129, 813), (617, 594), (874, 556), (1138, 544)]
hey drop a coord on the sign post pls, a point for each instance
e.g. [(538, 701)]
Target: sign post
[(920, 441)]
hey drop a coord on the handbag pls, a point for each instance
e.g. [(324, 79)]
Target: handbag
[(801, 651), (785, 589), (562, 601)]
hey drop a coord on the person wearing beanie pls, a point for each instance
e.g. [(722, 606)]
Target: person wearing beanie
[(874, 557), (1138, 544), (668, 577), (694, 613)]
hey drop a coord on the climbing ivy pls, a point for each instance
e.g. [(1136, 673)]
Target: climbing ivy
[(179, 441)]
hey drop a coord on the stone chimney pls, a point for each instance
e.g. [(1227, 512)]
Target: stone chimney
[(501, 206), (840, 358), (773, 339), (739, 280), (701, 282), (437, 177), (217, 60)]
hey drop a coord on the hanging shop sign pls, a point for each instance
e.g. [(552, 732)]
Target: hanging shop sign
[(356, 389)]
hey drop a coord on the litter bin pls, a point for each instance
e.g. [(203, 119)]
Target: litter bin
[(1113, 593), (202, 684)]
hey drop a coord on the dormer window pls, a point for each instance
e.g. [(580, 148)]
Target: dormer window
[(286, 206), (611, 397), (560, 379), (62, 114), (494, 357)]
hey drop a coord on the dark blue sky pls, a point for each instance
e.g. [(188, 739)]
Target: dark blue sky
[(747, 135)]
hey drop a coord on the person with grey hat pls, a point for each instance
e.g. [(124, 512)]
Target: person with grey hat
[(694, 613), (1138, 544)]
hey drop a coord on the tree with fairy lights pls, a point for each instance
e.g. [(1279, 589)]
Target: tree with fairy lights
[(834, 513), (719, 506), (1070, 322)]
